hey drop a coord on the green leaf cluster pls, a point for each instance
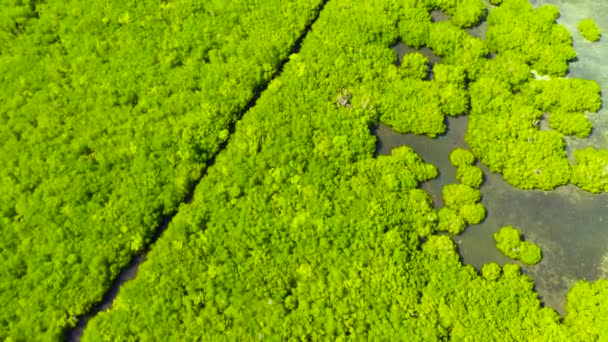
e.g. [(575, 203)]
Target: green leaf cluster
[(588, 29), (491, 271), (517, 26), (415, 27), (463, 13), (410, 104), (470, 175), (466, 172), (503, 127), (507, 105), (570, 123), (461, 201), (297, 231), (586, 306), (461, 207), (563, 94), (509, 242), (460, 157), (414, 65), (457, 46), (590, 172), (472, 305)]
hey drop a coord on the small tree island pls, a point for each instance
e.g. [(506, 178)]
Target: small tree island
[(509, 242), (588, 28)]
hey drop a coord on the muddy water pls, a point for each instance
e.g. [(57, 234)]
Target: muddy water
[(570, 225)]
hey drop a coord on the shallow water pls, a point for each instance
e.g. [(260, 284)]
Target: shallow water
[(569, 224)]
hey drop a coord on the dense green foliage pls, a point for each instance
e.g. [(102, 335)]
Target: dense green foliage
[(588, 29), (463, 13), (466, 172), (516, 26), (470, 175), (461, 207), (415, 27), (509, 242), (296, 231), (563, 94), (108, 113), (461, 157), (414, 65), (457, 195), (507, 104), (451, 221), (570, 123), (462, 201), (591, 170), (410, 104), (587, 310)]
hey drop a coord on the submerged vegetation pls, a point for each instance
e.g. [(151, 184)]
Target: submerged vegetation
[(509, 242), (296, 231)]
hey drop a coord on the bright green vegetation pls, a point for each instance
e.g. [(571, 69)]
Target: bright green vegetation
[(591, 170), (410, 104), (414, 65), (466, 172), (516, 26), (464, 200), (588, 29), (463, 13), (507, 104), (587, 310), (509, 242), (462, 205), (470, 175), (461, 157), (298, 232), (450, 220), (570, 123), (108, 113)]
